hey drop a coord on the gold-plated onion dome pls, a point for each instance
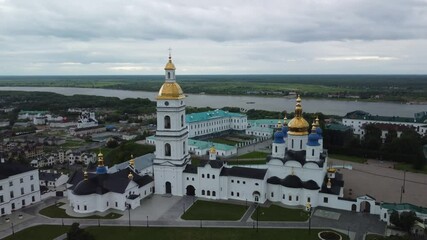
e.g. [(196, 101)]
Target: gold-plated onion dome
[(212, 150), (313, 127), (130, 176), (279, 124), (332, 170), (170, 90), (100, 159), (298, 125), (285, 121), (169, 64), (132, 161)]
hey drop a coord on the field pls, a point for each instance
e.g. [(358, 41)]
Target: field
[(205, 210), (368, 87), (254, 155), (39, 232), (113, 233), (276, 213), (408, 167), (55, 212)]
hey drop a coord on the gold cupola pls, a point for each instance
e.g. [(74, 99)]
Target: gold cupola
[(170, 89), (132, 161), (298, 126), (100, 159)]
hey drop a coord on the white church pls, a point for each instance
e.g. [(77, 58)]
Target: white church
[(296, 173)]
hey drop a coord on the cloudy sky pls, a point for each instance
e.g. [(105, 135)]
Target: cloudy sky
[(44, 37)]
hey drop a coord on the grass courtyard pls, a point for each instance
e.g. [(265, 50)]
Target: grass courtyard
[(276, 213), (39, 232), (55, 211), (114, 233), (254, 155), (205, 210)]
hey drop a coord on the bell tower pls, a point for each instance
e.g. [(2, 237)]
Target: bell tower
[(171, 137)]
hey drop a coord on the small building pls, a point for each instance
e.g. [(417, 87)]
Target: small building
[(52, 179)]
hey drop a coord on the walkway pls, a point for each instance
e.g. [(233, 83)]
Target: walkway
[(355, 224)]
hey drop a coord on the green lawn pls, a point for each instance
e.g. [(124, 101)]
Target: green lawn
[(246, 162), (205, 210), (408, 167), (39, 232), (223, 141), (254, 155), (276, 213), (113, 233), (55, 212), (124, 151), (347, 158), (73, 144)]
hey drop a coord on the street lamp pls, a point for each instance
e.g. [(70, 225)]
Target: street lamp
[(308, 209), (257, 216), (147, 220), (13, 230), (128, 206)]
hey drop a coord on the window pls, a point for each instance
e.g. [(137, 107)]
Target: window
[(300, 144), (1, 187), (272, 194), (256, 184), (22, 191), (85, 207), (238, 181), (169, 75), (203, 175), (182, 120), (208, 175), (275, 149), (213, 176), (308, 199), (167, 150), (188, 178), (21, 180), (78, 207), (244, 182), (117, 204), (192, 179), (312, 152), (1, 199), (167, 122), (11, 194), (108, 203), (183, 148), (325, 200), (213, 193), (238, 194), (385, 215), (290, 198), (283, 196), (208, 193), (297, 198), (232, 180), (203, 192), (10, 184), (292, 144), (33, 198), (232, 193)]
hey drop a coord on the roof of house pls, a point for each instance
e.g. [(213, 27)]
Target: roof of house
[(293, 181), (404, 207), (258, 122), (337, 127), (205, 116), (49, 176), (244, 172), (141, 162), (261, 129), (336, 184), (115, 182), (10, 169), (207, 145)]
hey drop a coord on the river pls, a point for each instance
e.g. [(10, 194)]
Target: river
[(326, 106)]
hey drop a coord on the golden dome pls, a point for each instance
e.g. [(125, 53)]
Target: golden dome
[(298, 125), (100, 154), (130, 176), (132, 161), (170, 90), (170, 65), (212, 150)]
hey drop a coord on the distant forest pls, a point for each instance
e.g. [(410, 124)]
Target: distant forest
[(399, 88)]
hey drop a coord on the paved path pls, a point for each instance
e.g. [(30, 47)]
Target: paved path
[(356, 224)]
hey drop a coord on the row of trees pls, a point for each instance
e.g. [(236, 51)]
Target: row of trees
[(406, 148)]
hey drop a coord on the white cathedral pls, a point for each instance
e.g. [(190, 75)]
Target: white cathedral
[(296, 173)]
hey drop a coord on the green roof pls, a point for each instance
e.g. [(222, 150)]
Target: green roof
[(337, 127), (261, 129), (205, 145), (361, 115), (205, 116), (263, 121), (404, 207)]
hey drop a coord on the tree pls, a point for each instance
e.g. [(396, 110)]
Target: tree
[(404, 220), (395, 218), (372, 138), (76, 233)]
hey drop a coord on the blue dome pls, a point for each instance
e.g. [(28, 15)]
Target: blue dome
[(101, 170), (285, 131), (278, 137), (313, 139), (319, 132)]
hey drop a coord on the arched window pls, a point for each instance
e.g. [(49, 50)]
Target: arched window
[(208, 175), (275, 149), (167, 150), (167, 122), (169, 75), (182, 120), (292, 144), (213, 193), (312, 152), (203, 192), (183, 148), (208, 193)]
